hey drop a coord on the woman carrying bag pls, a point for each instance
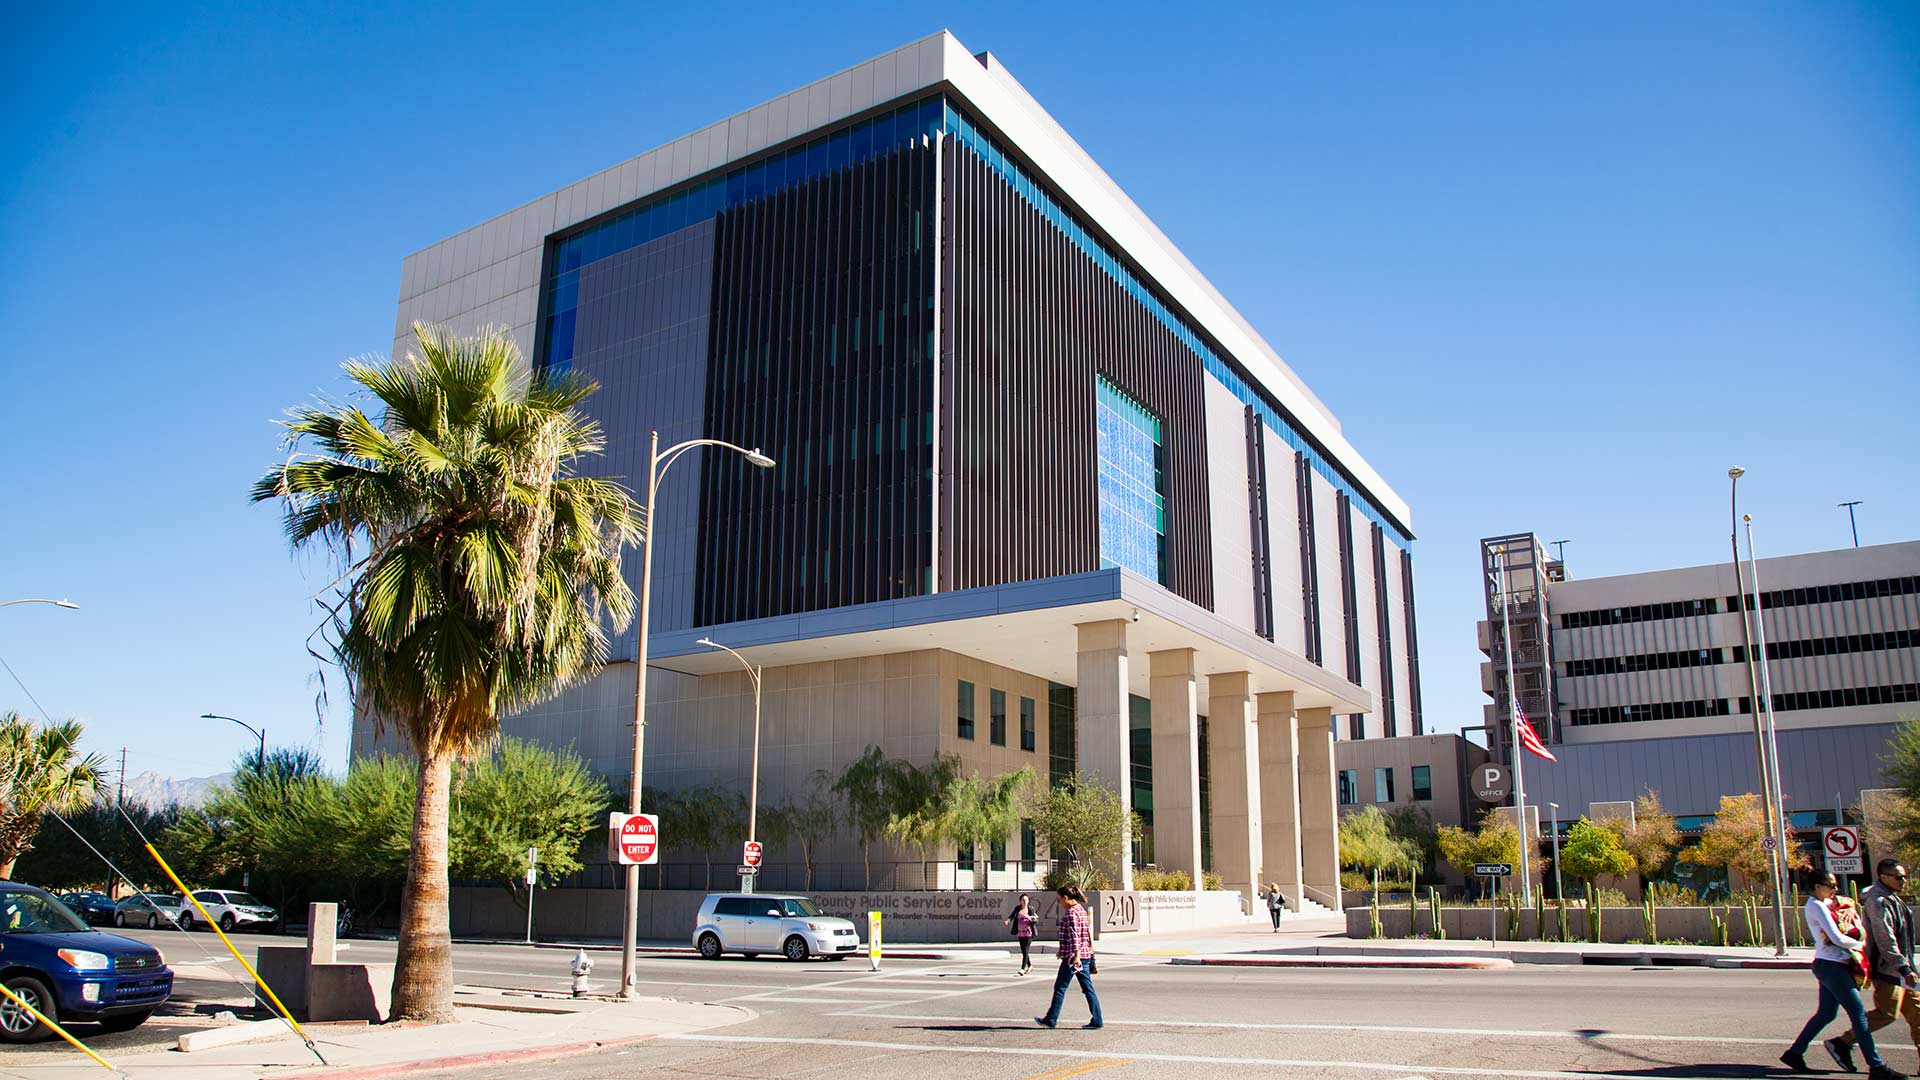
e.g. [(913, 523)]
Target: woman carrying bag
[(1834, 967), (1022, 920)]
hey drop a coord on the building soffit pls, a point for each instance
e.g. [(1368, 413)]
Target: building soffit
[(1026, 626)]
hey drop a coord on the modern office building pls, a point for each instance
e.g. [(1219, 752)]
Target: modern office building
[(1640, 681), (1428, 773), (1042, 497)]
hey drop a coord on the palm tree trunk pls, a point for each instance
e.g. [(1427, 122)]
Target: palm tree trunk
[(423, 968), (6, 868), (866, 859)]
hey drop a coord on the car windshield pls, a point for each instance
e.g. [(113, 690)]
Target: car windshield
[(800, 909), (243, 900), (36, 913)]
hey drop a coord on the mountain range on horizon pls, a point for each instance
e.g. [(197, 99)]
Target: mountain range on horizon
[(157, 792)]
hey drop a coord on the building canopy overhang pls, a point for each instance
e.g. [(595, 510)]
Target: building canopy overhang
[(1027, 626)]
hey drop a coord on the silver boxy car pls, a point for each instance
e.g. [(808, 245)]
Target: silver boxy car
[(768, 923), (151, 910)]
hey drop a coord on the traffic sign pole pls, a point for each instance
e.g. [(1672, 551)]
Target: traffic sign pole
[(533, 856)]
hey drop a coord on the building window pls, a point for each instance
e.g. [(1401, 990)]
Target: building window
[(1422, 783), (1133, 501), (1140, 749), (1029, 847), (997, 855), (1383, 785), (963, 857), (1062, 722), (1349, 786), (965, 709), (997, 717), (1026, 724)]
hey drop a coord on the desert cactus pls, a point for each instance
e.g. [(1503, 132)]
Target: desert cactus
[(1561, 906), (1798, 924), (1652, 933), (1593, 915), (1373, 916), (1719, 927), (1540, 915), (1513, 917), (1751, 908), (1433, 913)]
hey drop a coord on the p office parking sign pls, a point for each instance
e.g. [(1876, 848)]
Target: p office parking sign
[(1491, 783)]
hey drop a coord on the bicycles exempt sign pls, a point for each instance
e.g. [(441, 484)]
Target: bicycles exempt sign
[(1841, 845)]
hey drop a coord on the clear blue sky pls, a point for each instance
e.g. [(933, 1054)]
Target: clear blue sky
[(1553, 269)]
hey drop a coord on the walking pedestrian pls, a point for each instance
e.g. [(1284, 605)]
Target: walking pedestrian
[(1276, 904), (1895, 981), (1022, 920), (1076, 957), (1833, 971)]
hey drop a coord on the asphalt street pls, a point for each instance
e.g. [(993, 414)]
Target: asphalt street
[(972, 1018)]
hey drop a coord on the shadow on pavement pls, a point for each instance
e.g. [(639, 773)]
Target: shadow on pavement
[(976, 1027), (1712, 1071)]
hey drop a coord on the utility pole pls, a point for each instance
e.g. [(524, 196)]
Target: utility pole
[(120, 799), (1851, 523)]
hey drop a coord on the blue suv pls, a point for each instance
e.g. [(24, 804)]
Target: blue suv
[(69, 971)]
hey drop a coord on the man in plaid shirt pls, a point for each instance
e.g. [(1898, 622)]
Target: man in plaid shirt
[(1076, 957)]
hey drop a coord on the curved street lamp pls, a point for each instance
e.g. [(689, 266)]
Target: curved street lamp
[(1773, 809), (260, 763), (753, 783), (658, 462), (56, 603)]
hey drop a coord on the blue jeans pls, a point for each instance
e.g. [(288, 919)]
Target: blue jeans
[(1837, 992), (1068, 971)]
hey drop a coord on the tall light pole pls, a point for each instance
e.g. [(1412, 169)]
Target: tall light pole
[(1773, 748), (56, 603), (1851, 523), (259, 763), (753, 783), (1753, 684), (1513, 722), (657, 463)]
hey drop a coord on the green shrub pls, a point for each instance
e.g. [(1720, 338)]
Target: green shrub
[(1668, 894), (1212, 882), (1354, 881), (1080, 874), (1153, 879)]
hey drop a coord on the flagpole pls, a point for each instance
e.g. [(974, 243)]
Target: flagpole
[(1513, 721)]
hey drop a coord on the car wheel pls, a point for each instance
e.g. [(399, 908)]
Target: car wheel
[(186, 921), (17, 1024), (226, 922), (796, 948), (153, 922), (119, 919), (125, 1021), (710, 946)]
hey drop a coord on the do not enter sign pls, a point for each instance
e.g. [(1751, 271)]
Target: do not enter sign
[(1841, 845), (750, 854), (636, 838)]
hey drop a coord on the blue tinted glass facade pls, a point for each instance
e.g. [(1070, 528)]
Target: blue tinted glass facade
[(1133, 502), (957, 124), (829, 152)]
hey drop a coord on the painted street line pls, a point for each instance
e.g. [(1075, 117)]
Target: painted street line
[(1319, 1064), (1378, 1029)]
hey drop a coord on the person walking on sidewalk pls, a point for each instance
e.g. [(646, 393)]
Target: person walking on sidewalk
[(1076, 957), (1023, 920), (1889, 924), (1276, 904), (1833, 970)]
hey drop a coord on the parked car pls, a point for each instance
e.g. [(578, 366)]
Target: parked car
[(96, 908), (71, 972), (151, 910), (762, 923), (232, 910)]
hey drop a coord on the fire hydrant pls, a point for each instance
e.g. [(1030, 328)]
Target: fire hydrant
[(580, 967)]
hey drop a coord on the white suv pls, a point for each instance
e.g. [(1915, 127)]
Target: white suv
[(761, 923), (232, 910)]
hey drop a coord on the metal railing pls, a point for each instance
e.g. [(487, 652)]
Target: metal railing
[(828, 876)]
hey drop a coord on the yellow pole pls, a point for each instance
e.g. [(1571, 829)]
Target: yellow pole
[(57, 1029), (228, 942)]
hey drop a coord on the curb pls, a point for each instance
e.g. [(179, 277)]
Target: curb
[(1444, 963), (463, 1061), (1766, 964)]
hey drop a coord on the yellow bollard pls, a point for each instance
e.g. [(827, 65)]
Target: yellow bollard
[(228, 942), (57, 1029)]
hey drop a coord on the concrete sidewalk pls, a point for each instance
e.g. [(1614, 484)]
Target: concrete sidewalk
[(494, 1029)]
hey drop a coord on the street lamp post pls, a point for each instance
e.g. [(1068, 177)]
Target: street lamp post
[(753, 782), (1770, 803), (1559, 893), (1773, 747), (56, 603), (259, 763), (657, 464), (1851, 523)]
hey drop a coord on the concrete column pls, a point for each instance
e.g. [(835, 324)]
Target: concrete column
[(1233, 747), (1319, 809), (1176, 761), (1280, 793), (1101, 742)]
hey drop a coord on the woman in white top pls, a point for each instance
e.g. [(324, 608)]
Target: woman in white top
[(1833, 970)]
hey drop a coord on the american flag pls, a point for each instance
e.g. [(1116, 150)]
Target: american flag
[(1527, 737)]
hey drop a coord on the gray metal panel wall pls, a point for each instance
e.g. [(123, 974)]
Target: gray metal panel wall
[(642, 335), (1033, 322), (1691, 772)]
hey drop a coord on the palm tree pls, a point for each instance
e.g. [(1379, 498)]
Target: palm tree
[(41, 772), (479, 572)]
